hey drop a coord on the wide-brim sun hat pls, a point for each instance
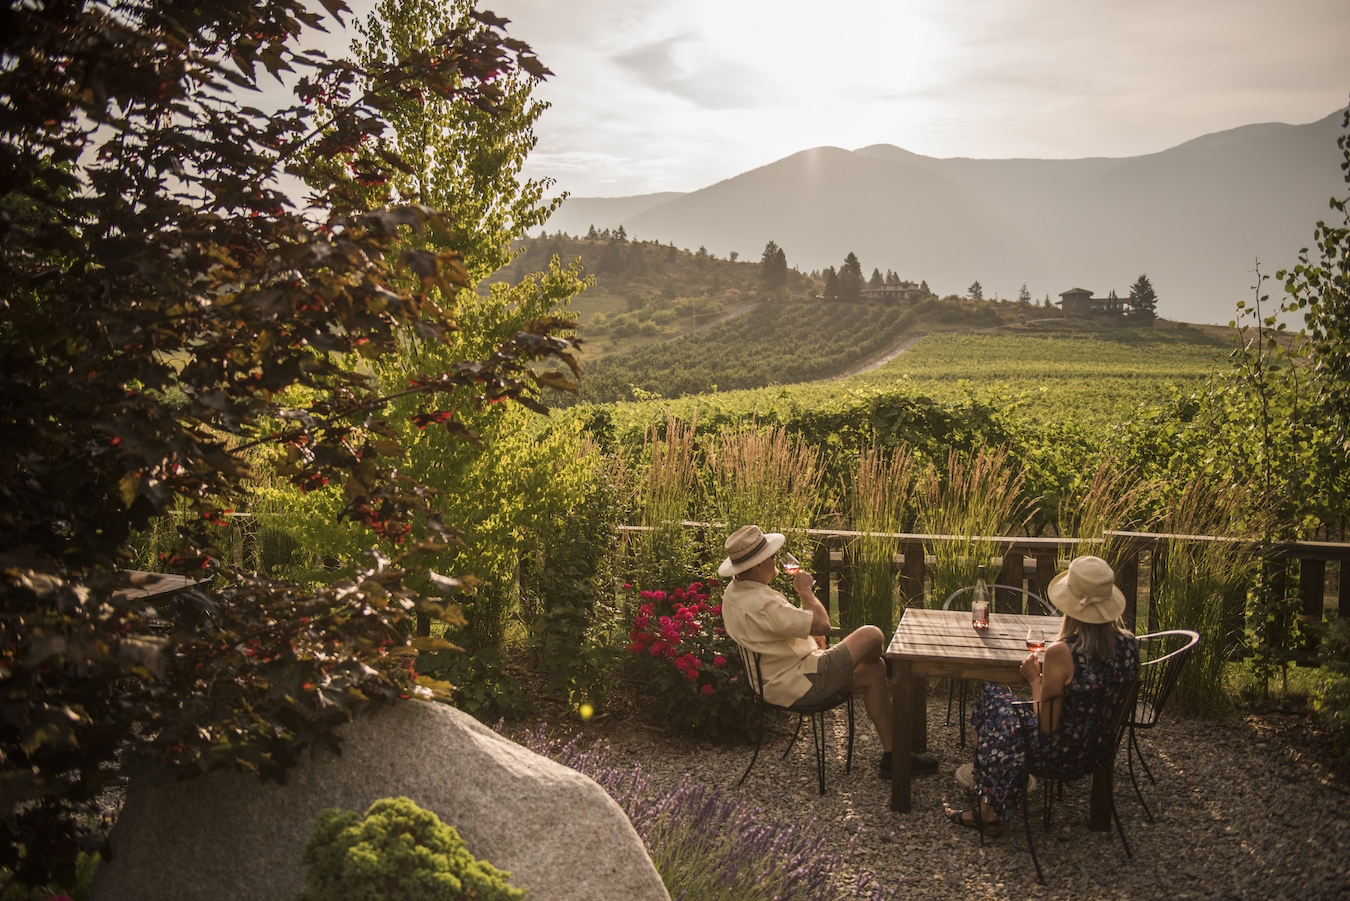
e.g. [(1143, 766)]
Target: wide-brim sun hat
[(1087, 591), (748, 547)]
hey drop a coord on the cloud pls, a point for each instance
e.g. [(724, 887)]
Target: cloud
[(684, 66)]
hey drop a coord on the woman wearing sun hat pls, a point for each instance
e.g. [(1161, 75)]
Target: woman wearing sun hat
[(1093, 653)]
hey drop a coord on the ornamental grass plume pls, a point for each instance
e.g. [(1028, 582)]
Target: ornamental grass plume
[(769, 477), (1195, 577), (1113, 499), (975, 497), (714, 846), (667, 496), (881, 501)]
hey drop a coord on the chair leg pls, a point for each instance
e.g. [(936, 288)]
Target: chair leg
[(1119, 828), (1142, 762), (1129, 759), (800, 717), (1026, 824), (951, 696), (759, 740), (848, 760), (818, 739)]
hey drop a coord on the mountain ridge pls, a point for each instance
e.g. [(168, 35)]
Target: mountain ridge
[(1195, 216)]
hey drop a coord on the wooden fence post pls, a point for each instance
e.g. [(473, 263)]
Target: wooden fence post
[(846, 563), (1127, 579), (914, 574), (1045, 572), (1157, 572), (820, 567), (1010, 574), (1312, 582)]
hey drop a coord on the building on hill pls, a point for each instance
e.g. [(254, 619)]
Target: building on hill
[(1078, 303), (894, 292)]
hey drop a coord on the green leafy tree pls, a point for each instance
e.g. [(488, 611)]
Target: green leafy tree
[(1320, 287), (1143, 300), (169, 317), (975, 291), (923, 286), (459, 157)]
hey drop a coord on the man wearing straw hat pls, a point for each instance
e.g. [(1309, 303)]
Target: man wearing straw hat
[(797, 667)]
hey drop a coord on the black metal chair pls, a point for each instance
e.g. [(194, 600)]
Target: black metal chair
[(1044, 606), (1104, 737), (755, 678), (1162, 655)]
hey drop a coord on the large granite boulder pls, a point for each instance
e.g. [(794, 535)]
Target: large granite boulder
[(229, 836)]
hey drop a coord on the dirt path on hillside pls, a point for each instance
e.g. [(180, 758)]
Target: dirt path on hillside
[(885, 358), (723, 317)]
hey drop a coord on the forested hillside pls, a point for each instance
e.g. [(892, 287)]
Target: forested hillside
[(645, 291)]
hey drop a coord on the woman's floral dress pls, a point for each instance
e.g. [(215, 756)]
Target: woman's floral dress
[(1091, 695)]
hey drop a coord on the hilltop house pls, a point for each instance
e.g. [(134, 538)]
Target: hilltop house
[(1078, 303), (894, 292)]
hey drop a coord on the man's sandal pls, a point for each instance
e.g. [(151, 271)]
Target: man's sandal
[(971, 819)]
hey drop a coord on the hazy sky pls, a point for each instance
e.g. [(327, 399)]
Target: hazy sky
[(673, 95)]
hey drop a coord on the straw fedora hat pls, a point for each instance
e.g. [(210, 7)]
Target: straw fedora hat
[(1087, 591), (747, 547)]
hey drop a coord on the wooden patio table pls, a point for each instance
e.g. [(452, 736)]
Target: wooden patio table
[(943, 643)]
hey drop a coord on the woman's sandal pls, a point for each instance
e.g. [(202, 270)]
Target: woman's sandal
[(971, 819)]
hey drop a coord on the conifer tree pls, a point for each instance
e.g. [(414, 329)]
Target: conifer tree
[(773, 268), (1143, 300)]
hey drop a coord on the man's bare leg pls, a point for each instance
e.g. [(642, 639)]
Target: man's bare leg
[(869, 675)]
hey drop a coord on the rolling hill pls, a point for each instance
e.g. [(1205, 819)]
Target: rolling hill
[(1195, 217)]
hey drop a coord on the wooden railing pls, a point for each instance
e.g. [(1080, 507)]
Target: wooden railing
[(1139, 559)]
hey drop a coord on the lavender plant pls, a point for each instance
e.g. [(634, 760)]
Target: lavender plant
[(713, 846)]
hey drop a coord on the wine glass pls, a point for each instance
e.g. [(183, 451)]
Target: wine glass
[(791, 565), (1035, 640)]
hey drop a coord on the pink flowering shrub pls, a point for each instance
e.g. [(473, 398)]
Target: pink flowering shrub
[(678, 644)]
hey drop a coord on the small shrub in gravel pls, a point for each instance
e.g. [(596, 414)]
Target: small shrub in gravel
[(712, 846)]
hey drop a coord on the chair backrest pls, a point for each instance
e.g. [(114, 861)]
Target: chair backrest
[(1162, 654), (964, 596), (754, 677), (1102, 735)]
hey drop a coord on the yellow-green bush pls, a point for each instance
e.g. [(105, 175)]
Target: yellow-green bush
[(396, 851)]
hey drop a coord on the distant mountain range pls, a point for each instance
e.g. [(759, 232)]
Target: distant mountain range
[(1195, 217)]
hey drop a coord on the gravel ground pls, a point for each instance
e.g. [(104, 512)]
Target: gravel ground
[(1245, 808)]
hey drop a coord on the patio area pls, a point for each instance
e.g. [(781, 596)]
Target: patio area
[(1245, 808)]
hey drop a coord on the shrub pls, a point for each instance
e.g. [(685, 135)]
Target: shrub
[(397, 851), (1334, 697), (681, 647)]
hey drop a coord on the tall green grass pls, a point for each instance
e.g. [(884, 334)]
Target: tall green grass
[(767, 477), (1198, 575), (666, 551), (881, 501), (977, 495)]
